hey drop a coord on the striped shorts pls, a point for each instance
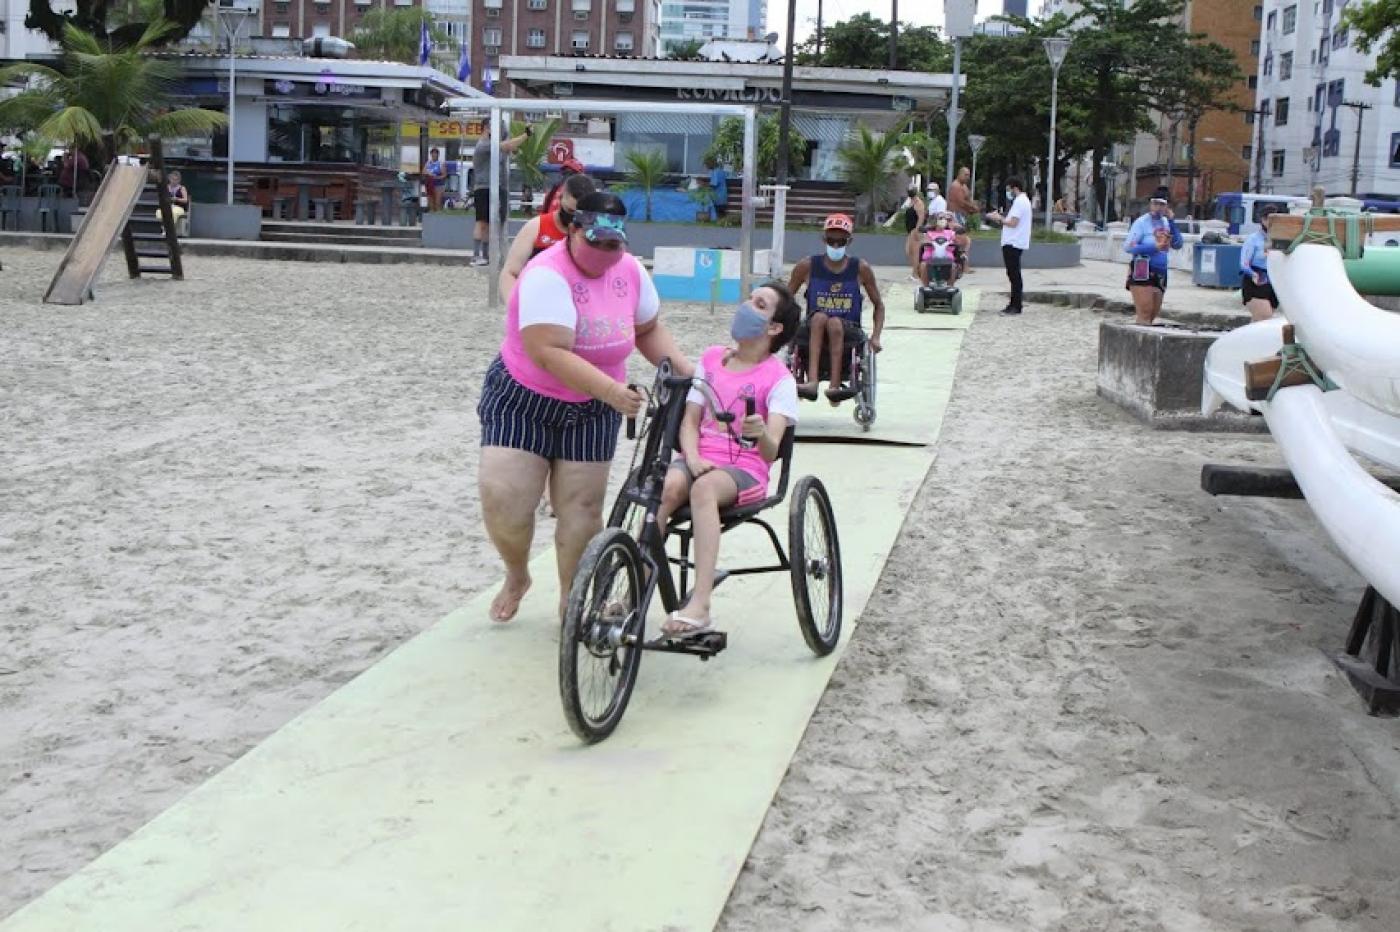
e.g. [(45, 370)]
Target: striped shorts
[(515, 417)]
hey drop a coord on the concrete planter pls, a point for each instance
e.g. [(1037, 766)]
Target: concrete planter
[(225, 221), (448, 231), (1156, 373), (986, 253)]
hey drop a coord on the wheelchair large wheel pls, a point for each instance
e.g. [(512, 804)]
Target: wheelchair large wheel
[(865, 401), (815, 553), (600, 646)]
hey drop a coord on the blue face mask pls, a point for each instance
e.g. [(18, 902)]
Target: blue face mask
[(836, 253), (748, 324)]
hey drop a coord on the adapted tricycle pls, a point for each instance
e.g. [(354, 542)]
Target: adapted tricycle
[(626, 565)]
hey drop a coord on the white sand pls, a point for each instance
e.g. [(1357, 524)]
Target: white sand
[(1090, 697)]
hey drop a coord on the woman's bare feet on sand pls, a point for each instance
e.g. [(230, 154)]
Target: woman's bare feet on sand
[(507, 601)]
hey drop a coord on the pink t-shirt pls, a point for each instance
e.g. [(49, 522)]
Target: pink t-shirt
[(602, 312), (770, 384), (938, 244)]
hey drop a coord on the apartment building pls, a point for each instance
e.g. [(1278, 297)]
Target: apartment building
[(1221, 141), (18, 43), (625, 28), (685, 21), (1319, 121)]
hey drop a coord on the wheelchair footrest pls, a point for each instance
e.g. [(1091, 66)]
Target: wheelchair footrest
[(703, 646)]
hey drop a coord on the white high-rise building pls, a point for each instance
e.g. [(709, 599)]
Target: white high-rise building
[(1312, 93), (701, 20), (18, 43)]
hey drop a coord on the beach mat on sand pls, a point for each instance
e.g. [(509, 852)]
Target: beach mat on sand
[(441, 789), (914, 376)]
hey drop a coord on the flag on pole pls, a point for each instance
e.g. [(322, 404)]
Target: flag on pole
[(464, 63), (425, 43)]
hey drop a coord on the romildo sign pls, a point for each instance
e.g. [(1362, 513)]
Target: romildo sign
[(749, 95)]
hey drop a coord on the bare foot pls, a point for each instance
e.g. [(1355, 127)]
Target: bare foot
[(507, 601)]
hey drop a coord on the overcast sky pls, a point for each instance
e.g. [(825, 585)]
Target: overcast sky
[(920, 12)]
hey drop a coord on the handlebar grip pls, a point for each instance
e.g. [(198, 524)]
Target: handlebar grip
[(750, 409), (632, 420)]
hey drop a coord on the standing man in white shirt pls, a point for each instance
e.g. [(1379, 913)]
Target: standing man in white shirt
[(937, 204), (1016, 226)]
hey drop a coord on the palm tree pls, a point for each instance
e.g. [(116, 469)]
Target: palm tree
[(645, 169), (531, 155), (102, 96), (866, 161), (394, 34)]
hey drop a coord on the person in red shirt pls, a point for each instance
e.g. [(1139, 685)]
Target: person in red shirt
[(541, 232), (569, 169)]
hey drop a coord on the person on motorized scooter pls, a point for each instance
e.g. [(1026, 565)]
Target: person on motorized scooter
[(940, 247), (834, 281)]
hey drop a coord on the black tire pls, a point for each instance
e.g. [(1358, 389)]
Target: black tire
[(596, 671), (815, 553)]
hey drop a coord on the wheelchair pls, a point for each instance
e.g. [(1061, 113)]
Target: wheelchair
[(626, 565), (938, 296), (859, 371)]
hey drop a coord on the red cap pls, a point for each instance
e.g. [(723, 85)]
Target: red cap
[(840, 222)]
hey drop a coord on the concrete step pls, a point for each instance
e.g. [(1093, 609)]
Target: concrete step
[(341, 238), (312, 228)]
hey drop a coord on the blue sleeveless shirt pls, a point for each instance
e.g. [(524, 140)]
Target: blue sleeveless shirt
[(835, 294)]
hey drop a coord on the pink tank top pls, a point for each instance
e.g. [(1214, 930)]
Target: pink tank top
[(716, 443), (604, 331)]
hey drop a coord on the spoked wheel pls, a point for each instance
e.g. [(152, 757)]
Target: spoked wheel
[(815, 553), (600, 646)]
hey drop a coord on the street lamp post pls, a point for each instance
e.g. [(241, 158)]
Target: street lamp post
[(958, 16), (232, 17), (1056, 48), (975, 142)]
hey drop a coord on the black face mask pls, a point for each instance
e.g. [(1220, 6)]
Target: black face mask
[(566, 218)]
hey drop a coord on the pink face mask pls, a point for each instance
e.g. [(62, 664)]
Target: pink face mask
[(594, 262)]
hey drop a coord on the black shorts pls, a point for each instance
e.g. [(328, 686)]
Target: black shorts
[(1155, 279), (481, 203), (1252, 291), (851, 331), (513, 416)]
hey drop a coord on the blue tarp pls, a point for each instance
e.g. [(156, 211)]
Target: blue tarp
[(666, 206)]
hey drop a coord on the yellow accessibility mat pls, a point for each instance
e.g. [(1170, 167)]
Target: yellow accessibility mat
[(442, 790), (900, 313), (914, 377)]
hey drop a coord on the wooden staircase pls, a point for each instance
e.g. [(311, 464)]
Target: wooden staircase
[(149, 238)]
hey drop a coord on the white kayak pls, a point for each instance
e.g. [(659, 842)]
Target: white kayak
[(1356, 343), (1362, 428), (1358, 346)]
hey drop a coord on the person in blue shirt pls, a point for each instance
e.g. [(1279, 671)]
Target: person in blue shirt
[(1258, 290), (719, 181), (1150, 241)]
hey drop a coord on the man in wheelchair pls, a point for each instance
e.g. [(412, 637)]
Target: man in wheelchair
[(834, 304)]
